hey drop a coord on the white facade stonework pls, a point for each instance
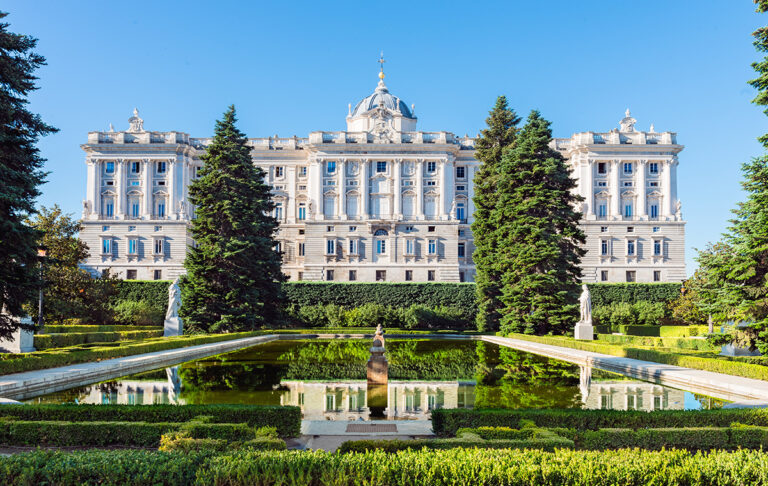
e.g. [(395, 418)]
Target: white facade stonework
[(379, 201)]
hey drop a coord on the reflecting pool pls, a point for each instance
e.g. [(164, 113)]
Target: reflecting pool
[(327, 380)]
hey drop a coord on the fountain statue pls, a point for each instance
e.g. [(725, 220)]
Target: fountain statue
[(173, 324), (378, 371), (584, 328)]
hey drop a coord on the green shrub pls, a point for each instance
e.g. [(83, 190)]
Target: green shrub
[(658, 342), (446, 422), (601, 315), (682, 331), (698, 438), (623, 314), (606, 294), (285, 420), (649, 313), (47, 341), (140, 313), (90, 328)]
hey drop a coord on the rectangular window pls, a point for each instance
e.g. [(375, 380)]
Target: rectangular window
[(161, 209), (409, 275), (106, 246), (157, 275), (653, 184), (653, 167), (135, 168), (135, 209), (161, 167), (133, 246), (381, 275), (352, 275), (431, 166), (158, 246), (300, 276), (410, 247), (353, 246), (105, 228), (431, 183), (131, 228), (130, 274), (602, 210), (110, 209), (461, 277), (657, 275), (657, 247), (460, 172), (603, 275), (628, 210), (109, 168), (461, 188), (603, 229), (430, 275), (279, 211), (627, 183), (302, 172), (654, 211), (627, 167), (330, 167), (330, 247), (630, 247), (329, 229), (329, 275), (352, 229), (279, 247), (409, 228), (301, 249), (278, 172), (656, 229), (135, 183), (631, 276), (630, 229), (604, 247), (381, 247), (461, 249), (302, 212), (381, 166), (602, 168), (430, 229), (460, 212), (461, 232), (602, 184), (432, 247)]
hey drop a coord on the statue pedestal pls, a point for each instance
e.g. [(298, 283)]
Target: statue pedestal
[(584, 331), (23, 339), (173, 327), (378, 370)]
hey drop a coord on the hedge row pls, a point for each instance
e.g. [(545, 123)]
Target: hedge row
[(658, 342), (153, 292), (287, 420), (663, 331), (408, 468), (416, 316), (47, 341), (15, 363), (144, 434), (75, 328), (604, 294), (706, 363), (447, 422), (695, 439), (265, 439)]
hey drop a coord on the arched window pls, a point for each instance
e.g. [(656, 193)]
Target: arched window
[(381, 232)]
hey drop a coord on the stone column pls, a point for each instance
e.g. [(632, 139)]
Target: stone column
[(120, 203), (364, 188), (666, 190), (94, 188), (420, 189), (673, 186), (342, 186), (471, 194), (172, 210), (290, 209), (615, 190), (397, 191), (449, 188), (641, 211), (315, 186), (441, 198), (147, 187), (589, 189)]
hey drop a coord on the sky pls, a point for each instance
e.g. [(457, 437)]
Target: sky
[(293, 67)]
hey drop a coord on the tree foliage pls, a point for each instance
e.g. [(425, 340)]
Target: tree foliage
[(21, 174), (500, 134), (538, 236), (233, 273)]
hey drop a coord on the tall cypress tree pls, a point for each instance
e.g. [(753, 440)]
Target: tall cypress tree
[(538, 236), (502, 123), (20, 174), (233, 273)]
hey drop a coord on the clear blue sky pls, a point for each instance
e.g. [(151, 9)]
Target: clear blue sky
[(292, 68)]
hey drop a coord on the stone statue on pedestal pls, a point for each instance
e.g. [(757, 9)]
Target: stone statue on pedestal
[(584, 328), (173, 323)]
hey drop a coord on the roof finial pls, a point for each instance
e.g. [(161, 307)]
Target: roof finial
[(626, 113), (381, 62)]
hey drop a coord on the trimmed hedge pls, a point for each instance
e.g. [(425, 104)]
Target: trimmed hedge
[(188, 444), (66, 328), (447, 422), (287, 420), (708, 362), (663, 331), (407, 468), (153, 292), (48, 341), (143, 434), (696, 439), (659, 342), (16, 363), (604, 294)]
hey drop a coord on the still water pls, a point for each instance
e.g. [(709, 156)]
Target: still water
[(327, 380)]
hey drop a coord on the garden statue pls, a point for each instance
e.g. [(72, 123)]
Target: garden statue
[(584, 328), (173, 323)]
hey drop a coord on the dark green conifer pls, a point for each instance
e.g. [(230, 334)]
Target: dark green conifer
[(502, 123), (233, 272)]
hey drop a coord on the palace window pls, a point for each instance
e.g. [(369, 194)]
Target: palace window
[(653, 167), (603, 275), (135, 208), (353, 246), (109, 168), (461, 277), (278, 172), (161, 167), (302, 212), (409, 228), (330, 247), (381, 166), (279, 211), (602, 168), (461, 249), (330, 167), (352, 229), (630, 229), (278, 247), (158, 246), (627, 183), (133, 246), (657, 275), (653, 184), (657, 247), (461, 187), (160, 208), (381, 275), (130, 274), (135, 183), (329, 275), (627, 167), (431, 166), (381, 247), (329, 229), (430, 275), (431, 183), (602, 184), (352, 275), (654, 211), (301, 249), (106, 246), (410, 247), (630, 247), (604, 247), (432, 247), (409, 275), (131, 228), (603, 229), (602, 210), (460, 212), (656, 229), (430, 229), (631, 276), (460, 172), (135, 167), (628, 210), (302, 171), (157, 275), (105, 228)]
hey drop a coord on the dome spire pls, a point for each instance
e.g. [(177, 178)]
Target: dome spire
[(381, 62)]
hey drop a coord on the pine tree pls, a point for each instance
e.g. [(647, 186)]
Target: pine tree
[(233, 274), (538, 237), (20, 174), (489, 146)]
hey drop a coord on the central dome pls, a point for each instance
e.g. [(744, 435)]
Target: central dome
[(382, 97)]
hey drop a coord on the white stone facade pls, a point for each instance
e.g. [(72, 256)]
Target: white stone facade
[(378, 202)]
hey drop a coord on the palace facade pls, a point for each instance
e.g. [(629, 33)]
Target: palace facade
[(380, 201)]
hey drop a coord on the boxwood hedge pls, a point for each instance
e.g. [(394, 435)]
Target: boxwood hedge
[(61, 340)]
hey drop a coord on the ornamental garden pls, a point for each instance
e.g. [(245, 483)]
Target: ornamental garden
[(234, 375)]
